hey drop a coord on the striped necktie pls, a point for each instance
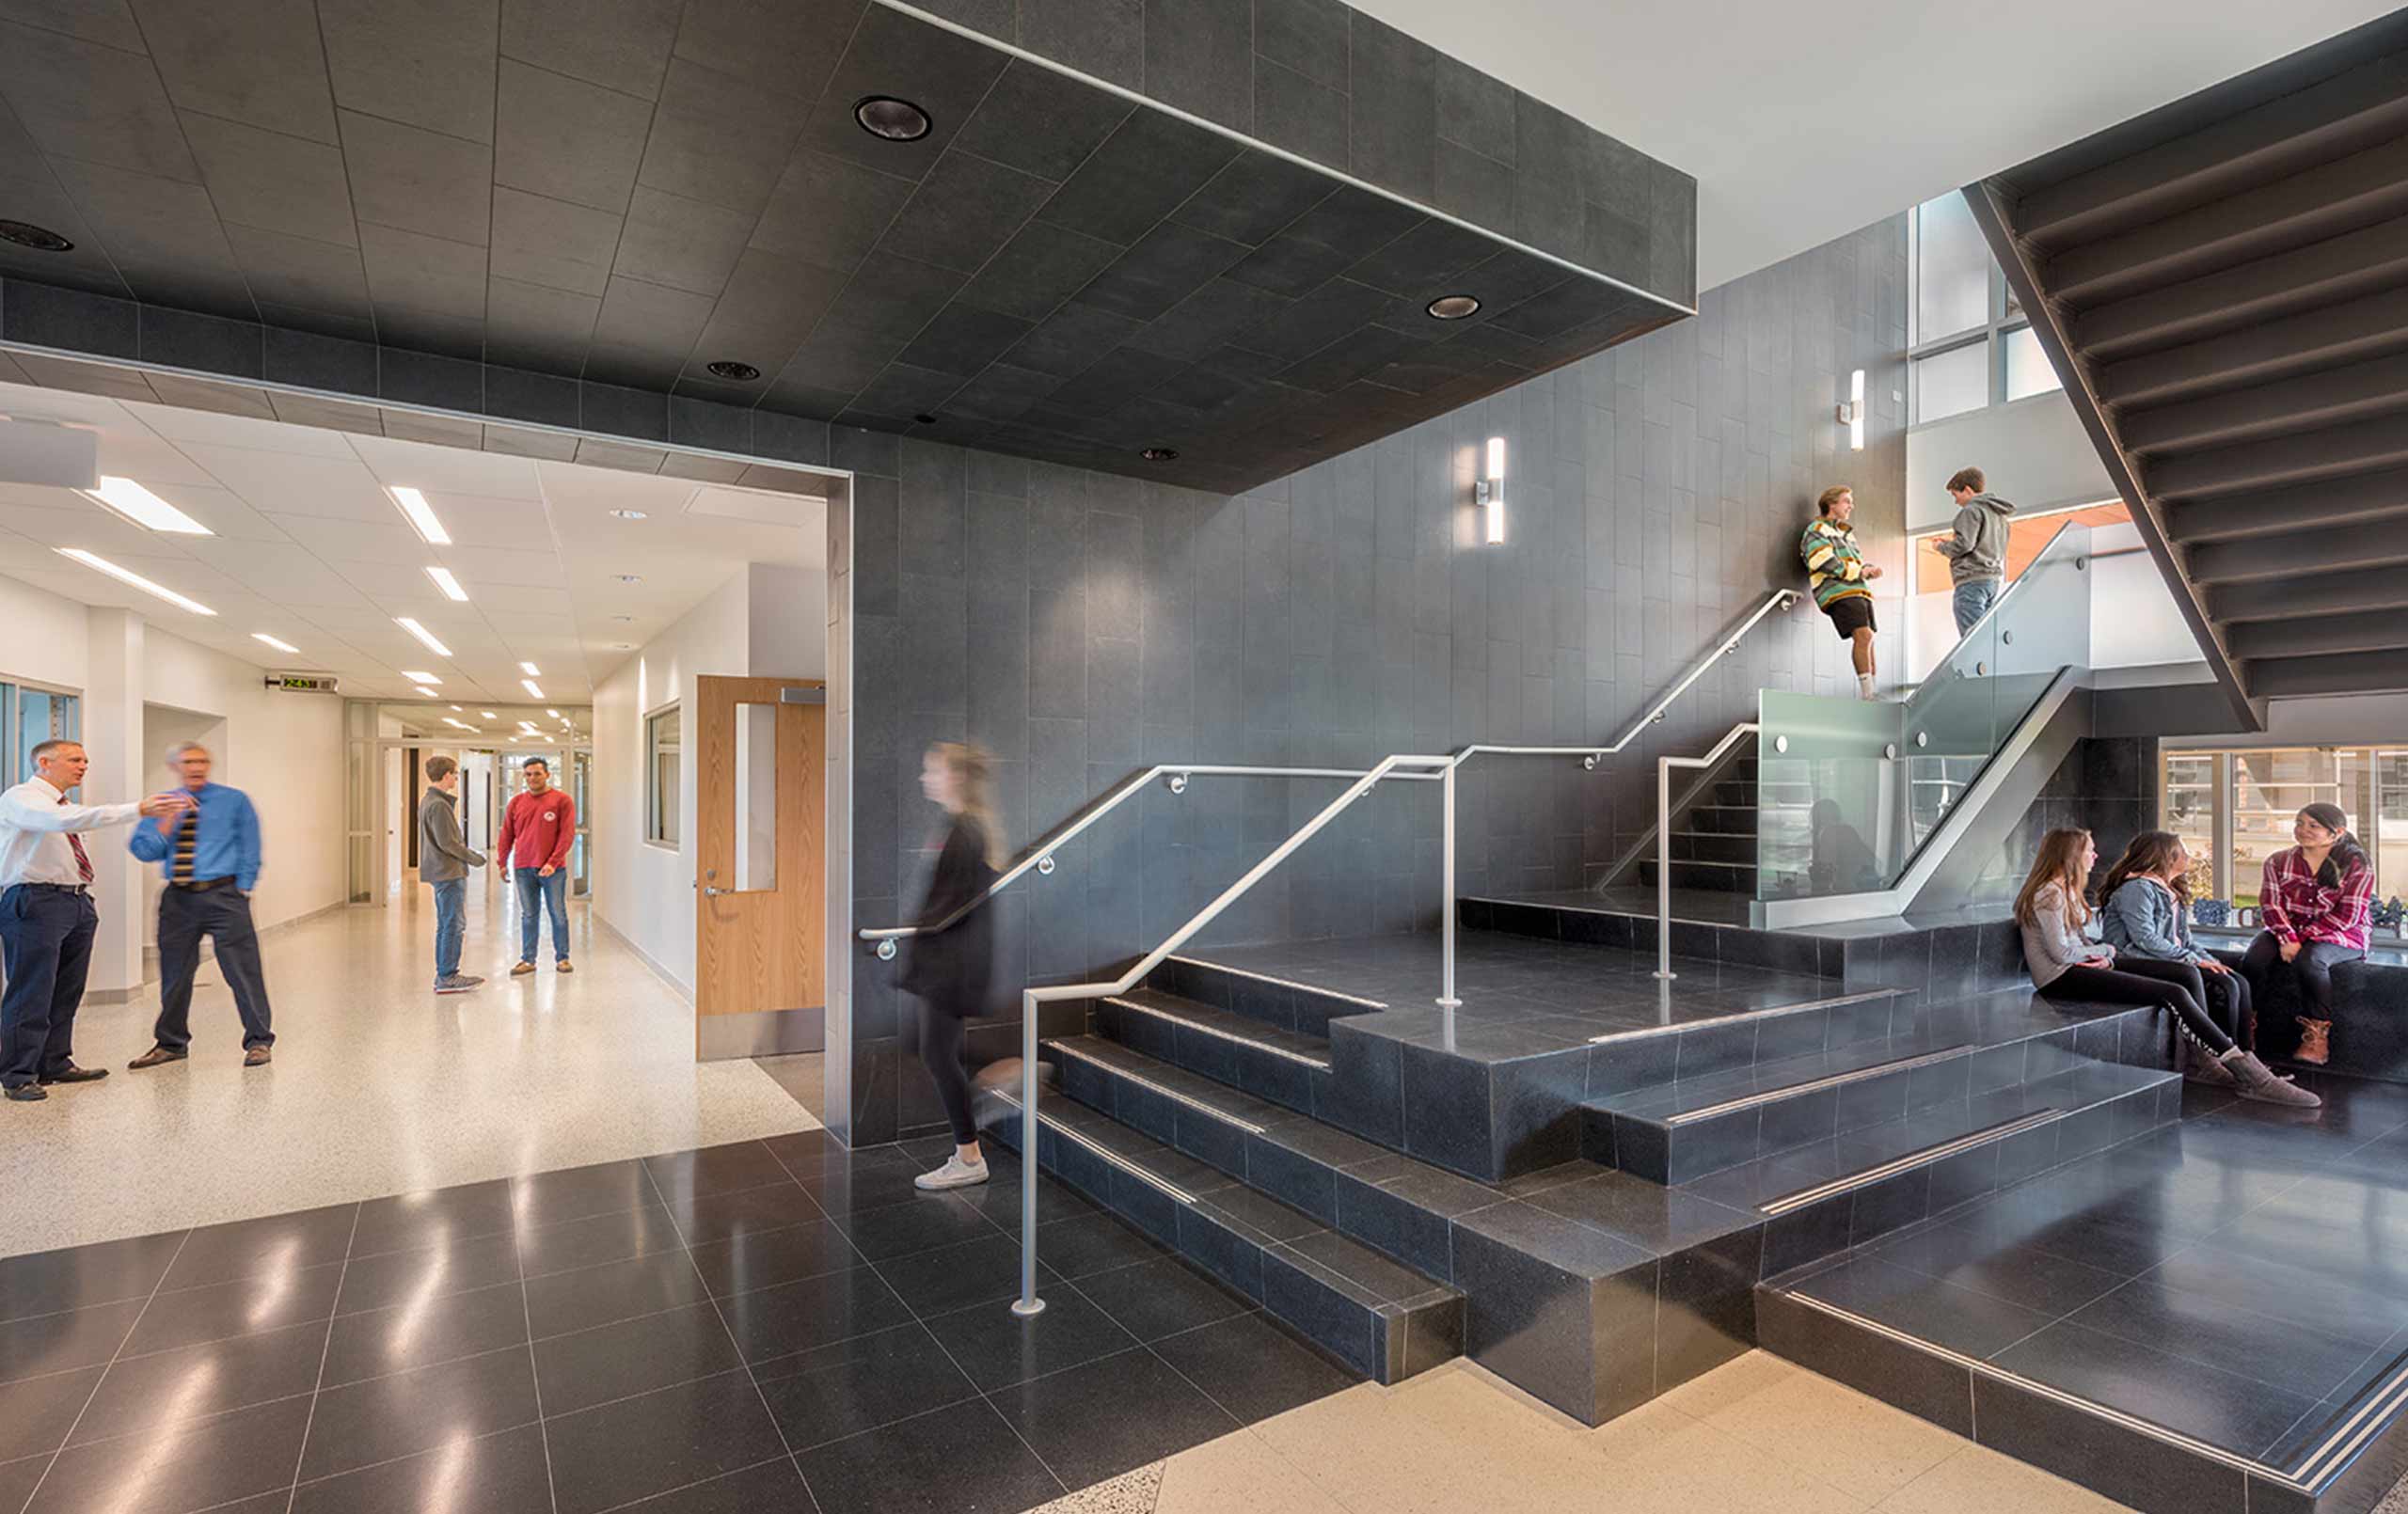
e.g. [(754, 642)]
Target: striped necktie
[(187, 843), (83, 858)]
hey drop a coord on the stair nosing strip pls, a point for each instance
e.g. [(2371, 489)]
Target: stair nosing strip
[(2090, 1406), (1284, 983), (1645, 1032), (2389, 1393), (1215, 1031), (1107, 1153), (1837, 1079), (1908, 1161), (1166, 1092)]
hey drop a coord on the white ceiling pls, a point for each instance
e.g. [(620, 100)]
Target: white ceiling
[(1803, 123), (311, 549)]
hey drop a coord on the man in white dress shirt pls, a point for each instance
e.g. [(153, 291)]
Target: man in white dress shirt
[(47, 919)]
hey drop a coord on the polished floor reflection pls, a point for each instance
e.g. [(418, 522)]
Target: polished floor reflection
[(2235, 1278), (378, 1086)]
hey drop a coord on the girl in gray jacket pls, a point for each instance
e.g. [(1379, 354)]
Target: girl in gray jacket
[(2067, 964), (2147, 894)]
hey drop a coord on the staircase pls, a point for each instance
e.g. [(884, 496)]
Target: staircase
[(1244, 1122), (2224, 284), (1714, 837)]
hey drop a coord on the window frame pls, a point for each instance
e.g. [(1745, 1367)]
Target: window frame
[(2002, 319), (653, 812), (2224, 797)]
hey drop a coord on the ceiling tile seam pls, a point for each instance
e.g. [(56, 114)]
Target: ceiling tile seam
[(1205, 123), (920, 188), (51, 168), (74, 37)]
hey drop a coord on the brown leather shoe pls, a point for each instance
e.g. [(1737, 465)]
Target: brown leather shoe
[(2315, 1042), (256, 1056), (522, 970), (158, 1056), (561, 966)]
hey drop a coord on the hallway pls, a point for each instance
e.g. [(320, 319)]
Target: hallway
[(378, 1086)]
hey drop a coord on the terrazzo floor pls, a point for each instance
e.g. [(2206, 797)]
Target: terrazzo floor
[(378, 1086)]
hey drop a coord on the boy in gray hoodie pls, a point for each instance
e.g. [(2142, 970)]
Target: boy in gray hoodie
[(1976, 551)]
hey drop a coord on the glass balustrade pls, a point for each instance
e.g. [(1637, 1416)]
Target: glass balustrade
[(1848, 792)]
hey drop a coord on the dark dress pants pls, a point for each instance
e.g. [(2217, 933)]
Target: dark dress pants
[(223, 915), (46, 948)]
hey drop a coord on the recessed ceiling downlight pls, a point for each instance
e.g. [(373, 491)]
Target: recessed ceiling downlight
[(730, 368), (40, 238), (925, 419), (897, 120), (1453, 306), (1160, 455)]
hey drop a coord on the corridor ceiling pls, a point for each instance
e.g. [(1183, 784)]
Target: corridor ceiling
[(310, 546), (634, 192)]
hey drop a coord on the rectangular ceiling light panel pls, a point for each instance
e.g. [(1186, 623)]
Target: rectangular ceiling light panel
[(422, 516), (127, 576), (145, 509)]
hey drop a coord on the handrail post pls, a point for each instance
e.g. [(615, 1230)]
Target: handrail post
[(1028, 1305), (1447, 1003), (1664, 869)]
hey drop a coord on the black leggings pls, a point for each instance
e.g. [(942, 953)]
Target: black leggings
[(2139, 980), (942, 1049)]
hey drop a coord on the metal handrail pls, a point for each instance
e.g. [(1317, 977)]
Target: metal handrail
[(1664, 767), (1778, 599), (1040, 854), (1028, 1303)]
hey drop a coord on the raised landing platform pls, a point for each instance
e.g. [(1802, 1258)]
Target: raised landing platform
[(2208, 1319)]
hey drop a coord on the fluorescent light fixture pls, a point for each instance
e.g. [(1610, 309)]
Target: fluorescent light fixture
[(1852, 411), (455, 709), (554, 714), (277, 643), (430, 693), (530, 669), (460, 725), (450, 585), (489, 715), (422, 516), (532, 693), (1489, 493), (421, 678), (143, 508), (425, 637), (127, 576)]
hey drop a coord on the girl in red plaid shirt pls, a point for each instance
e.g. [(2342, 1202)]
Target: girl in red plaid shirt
[(2316, 899)]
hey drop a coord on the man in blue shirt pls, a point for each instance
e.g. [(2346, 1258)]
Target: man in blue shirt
[(211, 855)]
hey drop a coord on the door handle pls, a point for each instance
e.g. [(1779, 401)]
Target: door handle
[(711, 892)]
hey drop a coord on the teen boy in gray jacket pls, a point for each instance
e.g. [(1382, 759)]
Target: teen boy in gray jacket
[(446, 862), (1977, 549)]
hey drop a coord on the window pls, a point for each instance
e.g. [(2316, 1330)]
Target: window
[(1969, 342), (2233, 809), (662, 775), (29, 717)]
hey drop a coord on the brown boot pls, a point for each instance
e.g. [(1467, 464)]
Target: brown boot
[(2315, 1042), (2200, 1067), (2258, 1082)]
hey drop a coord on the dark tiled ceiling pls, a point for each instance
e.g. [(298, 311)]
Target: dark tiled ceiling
[(627, 194)]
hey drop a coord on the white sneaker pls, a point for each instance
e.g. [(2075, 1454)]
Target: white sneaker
[(954, 1174)]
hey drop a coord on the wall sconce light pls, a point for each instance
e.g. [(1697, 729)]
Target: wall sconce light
[(1852, 411), (1489, 492)]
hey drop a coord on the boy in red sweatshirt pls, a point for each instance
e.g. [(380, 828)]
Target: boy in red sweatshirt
[(537, 830)]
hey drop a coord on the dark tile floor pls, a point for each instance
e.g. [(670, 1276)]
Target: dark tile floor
[(772, 1325), (2236, 1277), (1554, 994)]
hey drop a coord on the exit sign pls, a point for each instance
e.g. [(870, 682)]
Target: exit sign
[(303, 683)]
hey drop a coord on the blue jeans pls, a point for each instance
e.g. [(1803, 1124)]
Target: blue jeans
[(552, 893), (451, 924), (1974, 597)]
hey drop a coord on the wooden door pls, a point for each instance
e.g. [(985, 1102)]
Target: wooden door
[(760, 786)]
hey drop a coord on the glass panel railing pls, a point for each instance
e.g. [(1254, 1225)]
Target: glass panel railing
[(1849, 790)]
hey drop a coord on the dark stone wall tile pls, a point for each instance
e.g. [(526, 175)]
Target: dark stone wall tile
[(41, 315), (422, 378), (721, 428), (640, 414), (1395, 126), (1197, 56), (308, 360), (1101, 37), (207, 343), (546, 398), (1300, 114)]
